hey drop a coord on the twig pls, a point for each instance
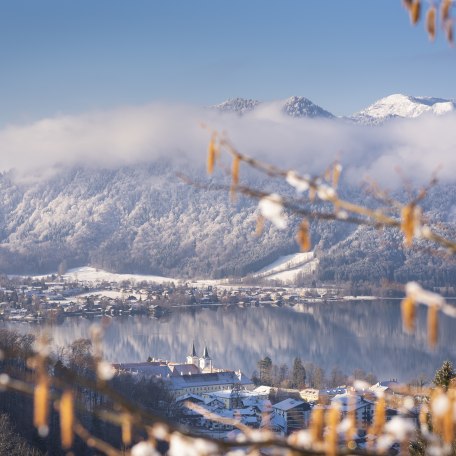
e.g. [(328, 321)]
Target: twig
[(95, 442)]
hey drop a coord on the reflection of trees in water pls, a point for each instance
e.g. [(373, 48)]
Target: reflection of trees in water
[(350, 335)]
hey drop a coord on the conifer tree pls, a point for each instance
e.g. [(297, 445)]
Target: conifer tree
[(265, 368), (444, 375), (298, 375)]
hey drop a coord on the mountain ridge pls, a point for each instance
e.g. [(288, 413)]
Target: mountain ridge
[(386, 108), (294, 106), (402, 106)]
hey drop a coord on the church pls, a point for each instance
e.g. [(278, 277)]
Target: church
[(204, 362), (209, 378), (196, 376)]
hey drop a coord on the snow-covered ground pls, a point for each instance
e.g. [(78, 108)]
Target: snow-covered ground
[(287, 268), (89, 274)]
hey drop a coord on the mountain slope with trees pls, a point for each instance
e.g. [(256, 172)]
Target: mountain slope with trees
[(144, 219)]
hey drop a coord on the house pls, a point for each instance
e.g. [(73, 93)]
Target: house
[(261, 406), (194, 398), (290, 415), (385, 387), (362, 408), (234, 398)]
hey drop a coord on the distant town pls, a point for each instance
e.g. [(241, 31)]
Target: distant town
[(52, 297)]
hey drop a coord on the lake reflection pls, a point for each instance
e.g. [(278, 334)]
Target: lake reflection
[(349, 335)]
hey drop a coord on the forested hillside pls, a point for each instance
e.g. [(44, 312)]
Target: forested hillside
[(145, 219)]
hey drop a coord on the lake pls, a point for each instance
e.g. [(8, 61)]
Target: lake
[(356, 334)]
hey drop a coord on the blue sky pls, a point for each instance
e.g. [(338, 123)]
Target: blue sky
[(65, 57)]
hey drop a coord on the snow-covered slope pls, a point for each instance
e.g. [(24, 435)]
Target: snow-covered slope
[(142, 220), (288, 267), (399, 105), (139, 219), (303, 107), (89, 274), (237, 105)]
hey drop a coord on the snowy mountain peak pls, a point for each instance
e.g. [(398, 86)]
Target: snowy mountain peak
[(393, 106), (399, 105), (293, 107), (237, 105), (303, 107)]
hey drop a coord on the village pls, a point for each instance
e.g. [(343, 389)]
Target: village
[(53, 297), (217, 402)]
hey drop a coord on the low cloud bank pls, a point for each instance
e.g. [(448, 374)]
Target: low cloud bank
[(416, 147)]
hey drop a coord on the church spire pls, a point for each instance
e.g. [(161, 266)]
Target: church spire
[(193, 357), (193, 349), (205, 362)]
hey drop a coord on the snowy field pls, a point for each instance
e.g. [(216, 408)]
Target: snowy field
[(287, 268), (94, 275)]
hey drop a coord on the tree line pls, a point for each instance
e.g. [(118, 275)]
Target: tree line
[(17, 431), (302, 375)]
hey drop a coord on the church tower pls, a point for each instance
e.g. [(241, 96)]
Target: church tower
[(205, 362), (193, 358)]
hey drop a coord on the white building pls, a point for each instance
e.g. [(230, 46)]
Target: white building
[(208, 382), (290, 415)]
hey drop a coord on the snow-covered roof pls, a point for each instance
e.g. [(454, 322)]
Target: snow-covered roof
[(186, 397), (223, 379), (224, 394), (388, 383), (383, 386), (211, 399), (263, 405), (288, 404), (350, 402), (185, 369)]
